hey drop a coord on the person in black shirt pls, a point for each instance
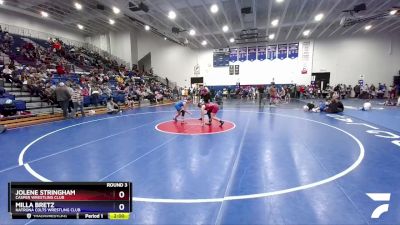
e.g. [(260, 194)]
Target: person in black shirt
[(335, 106), (260, 93)]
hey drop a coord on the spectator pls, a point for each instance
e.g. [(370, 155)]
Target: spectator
[(112, 107), (9, 108), (335, 106), (63, 96), (357, 91), (7, 73), (60, 69), (95, 95), (77, 100), (2, 92)]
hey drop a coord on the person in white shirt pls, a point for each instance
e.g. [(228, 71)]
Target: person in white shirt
[(112, 107)]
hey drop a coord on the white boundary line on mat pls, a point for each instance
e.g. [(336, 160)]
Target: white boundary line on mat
[(227, 198)]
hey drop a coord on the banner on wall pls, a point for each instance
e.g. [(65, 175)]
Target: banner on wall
[(236, 69), (271, 52), (282, 51), (293, 50), (261, 53), (305, 55), (242, 54), (233, 56), (251, 53), (231, 69)]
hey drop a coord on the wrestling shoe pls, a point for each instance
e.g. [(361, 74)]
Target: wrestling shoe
[(221, 123)]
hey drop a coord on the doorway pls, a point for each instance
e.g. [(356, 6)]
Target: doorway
[(322, 79)]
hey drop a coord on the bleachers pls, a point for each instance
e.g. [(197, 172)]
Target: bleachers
[(34, 105)]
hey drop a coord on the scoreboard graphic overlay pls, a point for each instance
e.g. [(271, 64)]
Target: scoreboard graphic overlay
[(70, 200)]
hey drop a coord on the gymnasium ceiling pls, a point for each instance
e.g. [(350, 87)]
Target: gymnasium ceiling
[(295, 17)]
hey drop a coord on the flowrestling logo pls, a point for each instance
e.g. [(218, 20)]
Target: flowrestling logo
[(381, 209)]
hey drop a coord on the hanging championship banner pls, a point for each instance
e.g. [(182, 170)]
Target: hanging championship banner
[(271, 52), (233, 56), (305, 57), (293, 50), (282, 51), (242, 54), (231, 69), (261, 53), (251, 53), (236, 69)]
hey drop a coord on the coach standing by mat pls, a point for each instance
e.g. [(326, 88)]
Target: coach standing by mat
[(63, 96)]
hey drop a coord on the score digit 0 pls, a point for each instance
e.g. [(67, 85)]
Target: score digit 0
[(121, 194), (121, 207)]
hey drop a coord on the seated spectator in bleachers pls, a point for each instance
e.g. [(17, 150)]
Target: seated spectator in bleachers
[(2, 91), (159, 97), (130, 101), (8, 39), (85, 91), (94, 96), (49, 94), (106, 90), (6, 74), (60, 69)]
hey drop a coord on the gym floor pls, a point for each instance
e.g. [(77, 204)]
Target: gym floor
[(268, 165)]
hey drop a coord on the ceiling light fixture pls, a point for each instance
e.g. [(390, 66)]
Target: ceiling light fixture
[(1, 2), (279, 1), (319, 17), (192, 32), (271, 36), (44, 14), (204, 43), (225, 28), (394, 11), (115, 10), (111, 21), (275, 22), (368, 27), (147, 27), (214, 8), (231, 40), (306, 33), (165, 38), (78, 6), (171, 15), (80, 27)]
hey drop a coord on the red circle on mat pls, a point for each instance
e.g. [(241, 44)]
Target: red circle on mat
[(193, 127)]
